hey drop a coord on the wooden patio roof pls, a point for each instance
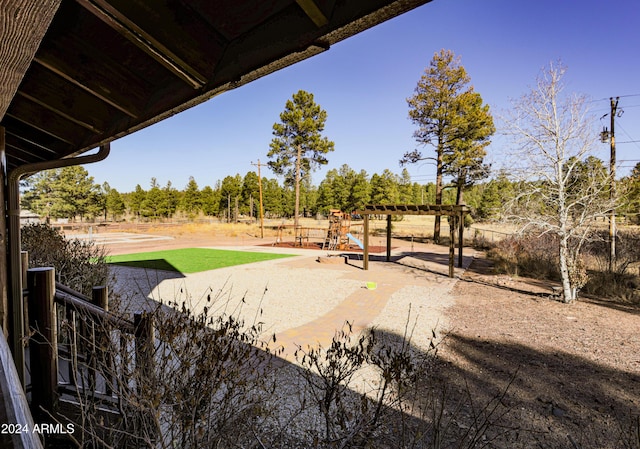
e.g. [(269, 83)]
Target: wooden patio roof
[(77, 74)]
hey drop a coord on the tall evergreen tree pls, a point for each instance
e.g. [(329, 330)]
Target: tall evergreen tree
[(298, 146), (385, 188), (169, 200), (135, 200), (150, 206), (114, 204), (451, 117), (230, 191), (250, 192), (191, 201), (210, 201), (67, 192), (273, 198)]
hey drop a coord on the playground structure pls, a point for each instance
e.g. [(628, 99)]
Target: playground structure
[(335, 237), (339, 227)]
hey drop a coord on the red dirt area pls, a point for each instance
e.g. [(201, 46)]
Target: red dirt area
[(559, 375), (318, 246)]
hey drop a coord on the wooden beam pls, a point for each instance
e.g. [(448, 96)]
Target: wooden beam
[(23, 24), (365, 256), (92, 70), (57, 94), (104, 11), (58, 126), (388, 238), (313, 12), (452, 250), (460, 238), (43, 344)]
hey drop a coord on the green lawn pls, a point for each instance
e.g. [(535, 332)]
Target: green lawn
[(191, 260)]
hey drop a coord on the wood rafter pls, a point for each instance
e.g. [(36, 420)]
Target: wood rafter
[(62, 114), (312, 10), (108, 99), (143, 40)]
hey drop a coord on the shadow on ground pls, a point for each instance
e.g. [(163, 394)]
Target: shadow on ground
[(552, 397)]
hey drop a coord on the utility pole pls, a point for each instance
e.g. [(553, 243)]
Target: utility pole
[(260, 189), (612, 189)]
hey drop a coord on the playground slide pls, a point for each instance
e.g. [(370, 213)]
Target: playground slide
[(356, 241)]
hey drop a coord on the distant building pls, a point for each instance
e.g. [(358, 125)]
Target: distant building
[(27, 217)]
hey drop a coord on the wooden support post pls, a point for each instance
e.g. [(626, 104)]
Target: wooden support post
[(144, 335), (460, 238), (452, 251), (100, 349), (365, 231), (100, 297), (43, 345), (24, 264), (24, 257), (388, 238)]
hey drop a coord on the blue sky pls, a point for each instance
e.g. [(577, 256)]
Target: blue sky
[(363, 84)]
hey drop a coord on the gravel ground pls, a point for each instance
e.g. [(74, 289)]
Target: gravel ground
[(288, 293), (272, 292)]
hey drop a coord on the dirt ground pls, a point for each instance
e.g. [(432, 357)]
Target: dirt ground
[(544, 374), (570, 373)]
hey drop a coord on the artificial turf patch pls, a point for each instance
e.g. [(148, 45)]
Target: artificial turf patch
[(191, 260)]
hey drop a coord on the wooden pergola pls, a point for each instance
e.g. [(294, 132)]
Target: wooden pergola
[(457, 211)]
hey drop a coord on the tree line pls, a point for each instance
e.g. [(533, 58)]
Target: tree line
[(70, 193)]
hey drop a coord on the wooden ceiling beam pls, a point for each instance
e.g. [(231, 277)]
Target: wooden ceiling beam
[(67, 100), (23, 25), (17, 138), (20, 155), (312, 10), (103, 79), (144, 41), (38, 118)]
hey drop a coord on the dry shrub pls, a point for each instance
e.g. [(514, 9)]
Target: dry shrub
[(79, 264), (532, 255), (606, 284), (536, 256), (627, 250), (207, 380)]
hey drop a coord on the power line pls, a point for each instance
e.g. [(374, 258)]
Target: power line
[(629, 136), (618, 96)]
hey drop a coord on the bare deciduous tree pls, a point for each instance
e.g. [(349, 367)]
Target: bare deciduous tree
[(559, 191)]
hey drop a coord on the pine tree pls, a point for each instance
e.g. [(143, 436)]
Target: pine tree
[(114, 204), (298, 146), (191, 201), (451, 117), (67, 192)]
